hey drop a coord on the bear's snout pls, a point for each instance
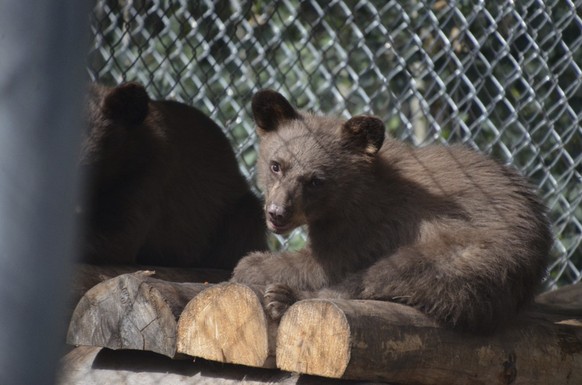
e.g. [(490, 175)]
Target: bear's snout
[(277, 213), (278, 218)]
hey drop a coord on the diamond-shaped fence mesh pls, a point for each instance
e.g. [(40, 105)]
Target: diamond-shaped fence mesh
[(502, 76)]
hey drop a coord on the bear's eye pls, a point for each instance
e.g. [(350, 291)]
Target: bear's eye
[(275, 167), (315, 181)]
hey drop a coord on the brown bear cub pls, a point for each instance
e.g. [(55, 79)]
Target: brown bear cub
[(163, 186), (444, 229)]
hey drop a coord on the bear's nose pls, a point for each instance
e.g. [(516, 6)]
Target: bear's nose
[(276, 212)]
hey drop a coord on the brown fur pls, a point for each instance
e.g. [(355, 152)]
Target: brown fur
[(444, 229), (164, 187)]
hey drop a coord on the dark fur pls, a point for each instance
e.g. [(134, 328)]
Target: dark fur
[(444, 229), (164, 187)]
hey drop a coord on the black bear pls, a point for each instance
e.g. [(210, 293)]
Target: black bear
[(163, 185), (444, 229)]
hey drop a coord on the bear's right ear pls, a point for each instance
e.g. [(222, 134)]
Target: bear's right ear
[(364, 133), (270, 109), (127, 103)]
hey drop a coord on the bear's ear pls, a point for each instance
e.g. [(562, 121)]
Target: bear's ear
[(270, 109), (364, 133), (127, 103)]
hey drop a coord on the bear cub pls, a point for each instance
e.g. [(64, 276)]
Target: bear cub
[(163, 186), (441, 228)]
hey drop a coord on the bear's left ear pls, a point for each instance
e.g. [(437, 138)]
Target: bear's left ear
[(127, 103), (270, 109), (364, 133)]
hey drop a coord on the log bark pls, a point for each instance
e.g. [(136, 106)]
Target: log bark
[(363, 340), (86, 276), (227, 323), (370, 340), (131, 311)]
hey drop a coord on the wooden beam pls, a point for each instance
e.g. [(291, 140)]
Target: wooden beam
[(96, 366), (363, 340), (131, 311), (227, 323), (381, 341)]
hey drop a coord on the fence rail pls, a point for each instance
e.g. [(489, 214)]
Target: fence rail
[(504, 77)]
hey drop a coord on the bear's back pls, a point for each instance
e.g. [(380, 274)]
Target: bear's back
[(164, 186), (467, 196), (477, 182), (203, 181)]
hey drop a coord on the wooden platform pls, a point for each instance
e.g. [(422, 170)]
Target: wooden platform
[(99, 366), (357, 340)]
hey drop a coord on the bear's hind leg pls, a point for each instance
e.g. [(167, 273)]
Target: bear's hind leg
[(465, 288)]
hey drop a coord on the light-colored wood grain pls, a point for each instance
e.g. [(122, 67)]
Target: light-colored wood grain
[(324, 350), (226, 323)]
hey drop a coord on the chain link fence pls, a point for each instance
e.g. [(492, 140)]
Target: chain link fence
[(501, 76)]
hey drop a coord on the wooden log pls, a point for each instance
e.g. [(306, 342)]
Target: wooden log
[(565, 300), (227, 323), (131, 311), (370, 340), (96, 366), (86, 276)]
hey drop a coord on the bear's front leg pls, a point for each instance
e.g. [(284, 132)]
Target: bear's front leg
[(263, 269), (287, 277), (296, 269), (277, 299), (255, 269)]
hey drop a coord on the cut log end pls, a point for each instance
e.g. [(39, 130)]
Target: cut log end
[(131, 311), (225, 323), (314, 338), (124, 313)]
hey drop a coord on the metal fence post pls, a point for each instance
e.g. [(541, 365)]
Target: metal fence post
[(42, 45)]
